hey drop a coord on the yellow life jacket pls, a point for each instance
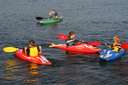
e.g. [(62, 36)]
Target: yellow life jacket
[(116, 47), (33, 51)]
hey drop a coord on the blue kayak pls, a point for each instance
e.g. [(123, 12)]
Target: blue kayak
[(109, 55)]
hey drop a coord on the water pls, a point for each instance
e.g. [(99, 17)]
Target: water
[(91, 19)]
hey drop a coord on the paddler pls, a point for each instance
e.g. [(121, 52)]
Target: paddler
[(116, 46), (53, 13), (71, 40), (33, 49)]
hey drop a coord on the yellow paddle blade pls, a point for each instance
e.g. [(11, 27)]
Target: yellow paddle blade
[(10, 49)]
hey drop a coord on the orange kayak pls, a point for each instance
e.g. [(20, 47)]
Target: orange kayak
[(37, 60)]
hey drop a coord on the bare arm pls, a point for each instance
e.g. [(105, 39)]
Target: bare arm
[(40, 50), (25, 50)]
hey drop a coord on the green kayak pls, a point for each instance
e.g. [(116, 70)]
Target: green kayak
[(50, 21)]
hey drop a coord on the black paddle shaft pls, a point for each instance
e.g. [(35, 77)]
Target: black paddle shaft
[(39, 18)]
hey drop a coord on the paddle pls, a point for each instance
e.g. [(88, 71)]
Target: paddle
[(62, 36), (95, 43), (39, 18), (10, 49), (124, 45)]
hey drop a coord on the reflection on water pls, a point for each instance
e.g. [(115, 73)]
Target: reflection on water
[(33, 70), (26, 73), (10, 69)]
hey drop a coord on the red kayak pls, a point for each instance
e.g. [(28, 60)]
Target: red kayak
[(82, 48), (125, 45), (37, 60)]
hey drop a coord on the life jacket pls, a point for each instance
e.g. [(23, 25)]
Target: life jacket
[(71, 42), (33, 51), (116, 47)]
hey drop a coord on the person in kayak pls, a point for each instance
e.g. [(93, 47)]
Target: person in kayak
[(71, 39), (33, 49), (53, 13), (116, 46)]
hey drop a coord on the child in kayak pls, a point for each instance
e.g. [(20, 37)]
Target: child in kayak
[(116, 46), (32, 49)]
